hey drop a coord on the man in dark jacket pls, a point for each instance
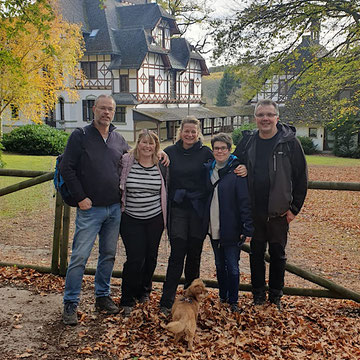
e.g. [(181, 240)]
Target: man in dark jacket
[(90, 168), (228, 216), (277, 176)]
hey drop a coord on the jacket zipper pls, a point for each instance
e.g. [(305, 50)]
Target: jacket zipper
[(274, 161)]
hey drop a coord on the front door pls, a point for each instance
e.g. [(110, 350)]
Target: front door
[(329, 140)]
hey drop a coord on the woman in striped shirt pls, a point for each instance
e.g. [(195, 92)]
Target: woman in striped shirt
[(143, 218)]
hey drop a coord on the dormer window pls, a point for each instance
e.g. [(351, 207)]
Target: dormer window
[(163, 38), (93, 33), (161, 35)]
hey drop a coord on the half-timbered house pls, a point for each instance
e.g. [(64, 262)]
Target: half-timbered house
[(279, 89), (134, 51)]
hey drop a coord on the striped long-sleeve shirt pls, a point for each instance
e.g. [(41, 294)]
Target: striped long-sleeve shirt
[(143, 187)]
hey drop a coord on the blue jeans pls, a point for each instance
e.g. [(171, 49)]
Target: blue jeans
[(227, 271), (102, 220)]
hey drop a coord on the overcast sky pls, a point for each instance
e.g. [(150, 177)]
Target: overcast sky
[(221, 8)]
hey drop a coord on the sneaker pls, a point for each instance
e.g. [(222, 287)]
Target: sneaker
[(70, 314), (235, 308), (164, 310), (127, 310), (107, 305)]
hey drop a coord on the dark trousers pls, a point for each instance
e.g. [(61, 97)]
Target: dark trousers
[(186, 241), (141, 240), (227, 271), (271, 231)]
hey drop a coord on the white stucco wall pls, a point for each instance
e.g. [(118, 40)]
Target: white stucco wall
[(318, 140)]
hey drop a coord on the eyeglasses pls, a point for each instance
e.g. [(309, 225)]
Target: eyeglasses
[(104, 108), (220, 148), (262, 115)]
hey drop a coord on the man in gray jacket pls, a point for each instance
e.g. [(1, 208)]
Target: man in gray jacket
[(277, 175)]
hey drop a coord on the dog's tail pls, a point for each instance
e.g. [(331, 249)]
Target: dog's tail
[(175, 327)]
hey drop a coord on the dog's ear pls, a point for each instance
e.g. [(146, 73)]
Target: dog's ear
[(199, 289)]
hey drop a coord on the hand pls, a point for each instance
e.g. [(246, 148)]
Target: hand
[(289, 216), (164, 158), (85, 204), (241, 170), (247, 239)]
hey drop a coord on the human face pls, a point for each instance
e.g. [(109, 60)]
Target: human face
[(104, 112), (189, 135), (221, 151), (266, 120), (146, 147)]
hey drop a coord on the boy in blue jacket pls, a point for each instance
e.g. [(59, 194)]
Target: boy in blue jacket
[(229, 217)]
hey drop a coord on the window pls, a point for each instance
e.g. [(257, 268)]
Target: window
[(88, 114), (313, 132), (50, 118), (173, 85), (120, 114), (282, 87), (163, 33), (151, 84), (192, 87), (124, 83), (14, 112), (62, 109), (89, 68)]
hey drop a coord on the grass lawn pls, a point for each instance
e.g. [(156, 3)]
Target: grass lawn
[(328, 160), (325, 160), (40, 196), (30, 199)]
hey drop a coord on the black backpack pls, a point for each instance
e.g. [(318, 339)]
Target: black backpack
[(59, 182)]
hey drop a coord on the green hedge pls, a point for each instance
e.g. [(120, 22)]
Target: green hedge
[(308, 145), (306, 142), (2, 162), (237, 133), (35, 140)]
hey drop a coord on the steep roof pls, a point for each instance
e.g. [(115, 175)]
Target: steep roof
[(124, 31), (173, 114), (144, 16), (307, 50), (73, 12), (180, 54)]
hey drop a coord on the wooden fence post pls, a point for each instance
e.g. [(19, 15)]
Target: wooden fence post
[(57, 234), (64, 241)]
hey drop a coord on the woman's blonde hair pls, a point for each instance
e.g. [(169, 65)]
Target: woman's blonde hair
[(152, 136), (190, 119)]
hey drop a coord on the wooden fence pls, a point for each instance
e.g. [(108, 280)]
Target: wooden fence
[(59, 260)]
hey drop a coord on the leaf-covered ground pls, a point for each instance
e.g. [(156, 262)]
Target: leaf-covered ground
[(324, 238), (304, 329)]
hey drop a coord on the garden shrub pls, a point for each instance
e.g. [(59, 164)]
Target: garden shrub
[(2, 163), (345, 129), (345, 146), (356, 153), (35, 140), (308, 145), (237, 133)]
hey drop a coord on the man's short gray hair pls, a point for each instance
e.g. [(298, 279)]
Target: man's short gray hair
[(105, 96), (265, 102)]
